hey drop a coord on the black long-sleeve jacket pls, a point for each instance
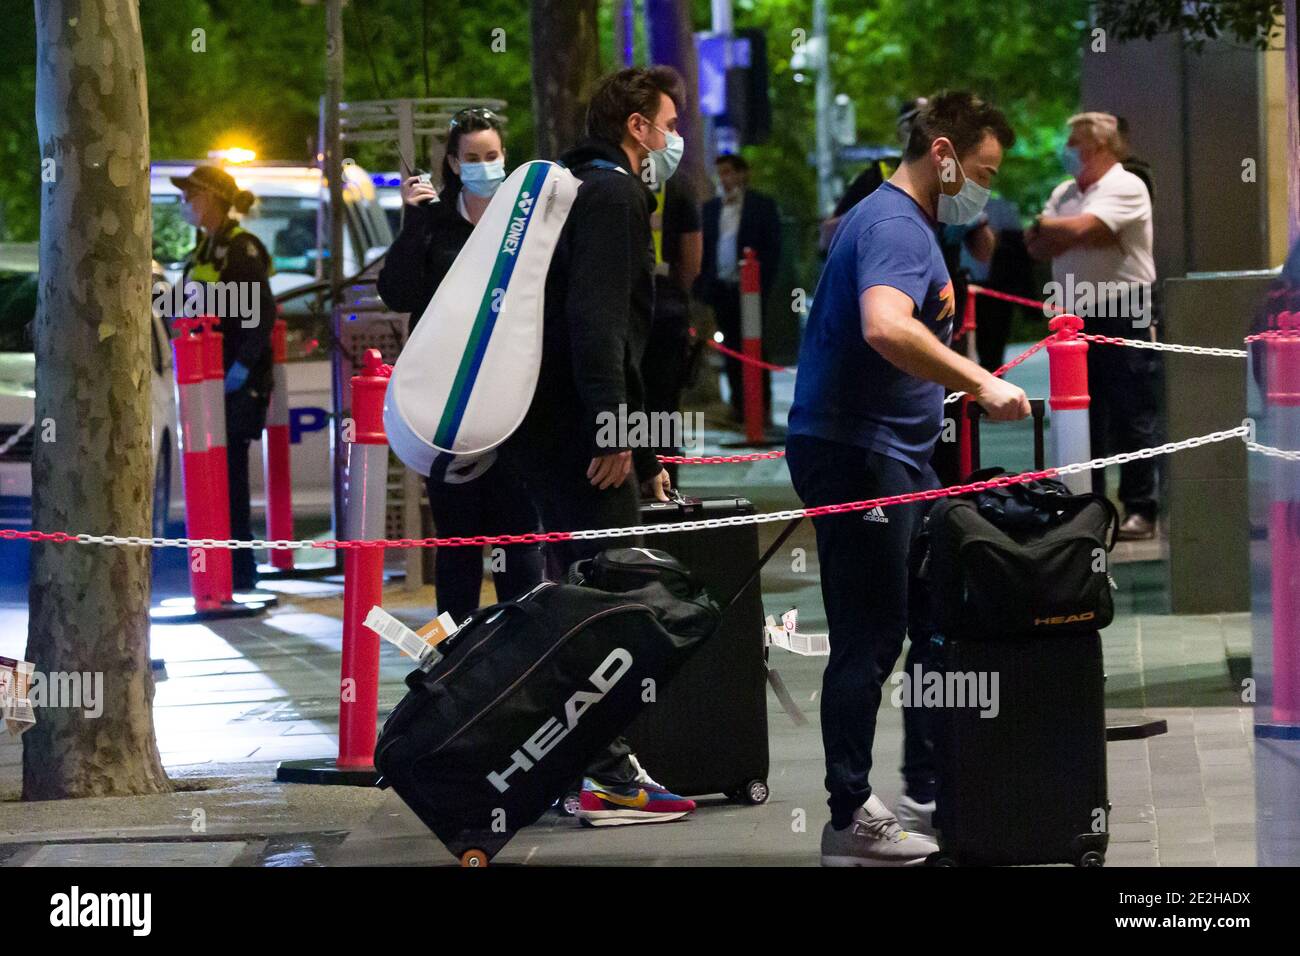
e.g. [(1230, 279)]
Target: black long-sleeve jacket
[(421, 256), (233, 254), (598, 312)]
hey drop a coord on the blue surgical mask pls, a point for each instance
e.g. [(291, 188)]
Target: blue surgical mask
[(665, 159), (966, 205), (1071, 160), (482, 179)]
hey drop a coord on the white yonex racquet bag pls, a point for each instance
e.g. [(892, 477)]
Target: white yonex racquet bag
[(465, 378)]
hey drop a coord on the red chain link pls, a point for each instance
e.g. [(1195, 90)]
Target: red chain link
[(1036, 347), (1103, 339), (1273, 334), (1007, 297), (770, 455), (553, 536), (742, 357), (720, 459)]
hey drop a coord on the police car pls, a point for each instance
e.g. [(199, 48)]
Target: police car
[(18, 430), (284, 218), (290, 197)]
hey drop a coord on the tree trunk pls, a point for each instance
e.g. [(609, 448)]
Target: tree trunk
[(672, 43), (92, 461), (1292, 27), (566, 65)]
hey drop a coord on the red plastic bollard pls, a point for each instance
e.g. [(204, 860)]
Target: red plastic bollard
[(967, 330), (1283, 397), (275, 455), (751, 333), (214, 407), (191, 396), (1067, 356), (363, 568), (1067, 361), (965, 460)]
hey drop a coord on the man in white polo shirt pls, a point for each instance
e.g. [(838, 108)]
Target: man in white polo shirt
[(1096, 229)]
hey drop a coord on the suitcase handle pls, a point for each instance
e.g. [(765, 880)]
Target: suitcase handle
[(759, 565), (974, 411)]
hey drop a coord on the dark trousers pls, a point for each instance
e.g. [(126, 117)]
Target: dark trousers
[(666, 362), (726, 313), (566, 500), (243, 562), (1124, 413), (864, 566), (245, 419), (992, 327), (493, 503)]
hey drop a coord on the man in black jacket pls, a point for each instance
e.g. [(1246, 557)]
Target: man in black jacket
[(741, 217), (570, 450)]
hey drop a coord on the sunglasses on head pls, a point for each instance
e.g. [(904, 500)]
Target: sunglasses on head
[(473, 112)]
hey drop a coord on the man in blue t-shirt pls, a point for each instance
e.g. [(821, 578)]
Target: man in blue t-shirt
[(867, 411)]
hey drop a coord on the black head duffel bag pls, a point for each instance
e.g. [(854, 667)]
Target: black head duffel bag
[(1020, 560), (527, 692)]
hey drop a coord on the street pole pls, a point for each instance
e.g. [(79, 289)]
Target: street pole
[(825, 198), (332, 148), (722, 17)]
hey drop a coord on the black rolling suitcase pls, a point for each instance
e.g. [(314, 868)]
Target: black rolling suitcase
[(1021, 766), (524, 696), (707, 733), (528, 692), (1027, 785)]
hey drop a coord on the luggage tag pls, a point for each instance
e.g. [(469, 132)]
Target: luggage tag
[(15, 704), (787, 636), (420, 645)]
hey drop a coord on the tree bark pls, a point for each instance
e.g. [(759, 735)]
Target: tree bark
[(92, 461), (566, 65), (1292, 28)]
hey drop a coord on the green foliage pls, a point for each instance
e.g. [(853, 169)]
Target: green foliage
[(1024, 55), (19, 152), (260, 76), (1248, 21)]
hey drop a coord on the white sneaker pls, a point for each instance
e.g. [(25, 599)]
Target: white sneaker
[(915, 817), (874, 838)]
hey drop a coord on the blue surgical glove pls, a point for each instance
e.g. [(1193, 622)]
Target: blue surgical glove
[(236, 377)]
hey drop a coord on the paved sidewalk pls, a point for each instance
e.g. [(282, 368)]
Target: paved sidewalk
[(241, 695)]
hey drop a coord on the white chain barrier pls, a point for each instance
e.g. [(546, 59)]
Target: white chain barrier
[(1164, 346), (1241, 431), (16, 437), (1270, 451)]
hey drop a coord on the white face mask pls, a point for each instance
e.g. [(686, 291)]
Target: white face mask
[(968, 203), (482, 179), (664, 161)]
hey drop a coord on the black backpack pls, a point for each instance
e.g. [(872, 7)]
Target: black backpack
[(1019, 560)]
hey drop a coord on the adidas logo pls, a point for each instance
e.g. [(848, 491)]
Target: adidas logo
[(876, 514)]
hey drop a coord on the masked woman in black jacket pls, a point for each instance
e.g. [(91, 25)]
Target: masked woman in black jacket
[(435, 227)]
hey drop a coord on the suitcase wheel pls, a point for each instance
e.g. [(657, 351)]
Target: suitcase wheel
[(939, 858), (569, 803), (473, 858), (1092, 858), (755, 793)]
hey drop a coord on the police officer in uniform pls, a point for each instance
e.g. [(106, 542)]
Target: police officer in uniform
[(228, 253)]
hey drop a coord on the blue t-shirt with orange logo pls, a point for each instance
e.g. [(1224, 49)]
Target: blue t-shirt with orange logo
[(846, 391)]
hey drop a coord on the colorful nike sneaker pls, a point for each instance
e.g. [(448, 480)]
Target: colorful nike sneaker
[(617, 805)]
